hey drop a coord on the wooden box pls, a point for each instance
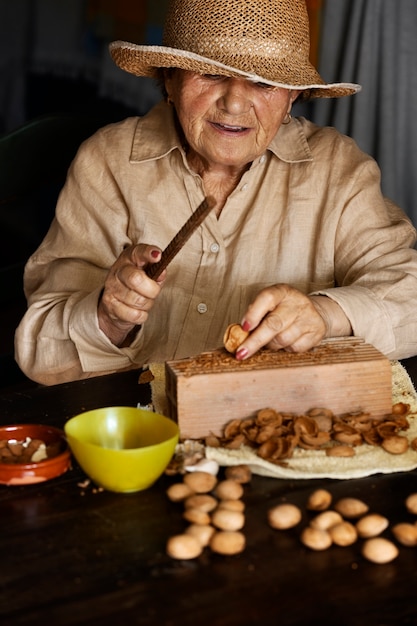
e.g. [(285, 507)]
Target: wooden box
[(344, 375)]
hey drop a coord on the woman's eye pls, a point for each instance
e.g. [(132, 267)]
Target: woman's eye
[(265, 86), (213, 76)]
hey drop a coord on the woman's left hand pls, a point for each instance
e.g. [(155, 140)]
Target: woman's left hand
[(282, 317)]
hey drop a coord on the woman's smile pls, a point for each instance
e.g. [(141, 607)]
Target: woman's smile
[(229, 128)]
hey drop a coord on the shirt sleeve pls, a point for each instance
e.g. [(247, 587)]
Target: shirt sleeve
[(376, 269), (59, 338)]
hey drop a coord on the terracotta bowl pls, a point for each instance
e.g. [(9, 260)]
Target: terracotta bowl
[(35, 472), (122, 449)]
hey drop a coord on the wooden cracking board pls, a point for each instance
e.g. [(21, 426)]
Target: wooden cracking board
[(344, 375)]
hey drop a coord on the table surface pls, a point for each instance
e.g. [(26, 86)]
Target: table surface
[(73, 555)]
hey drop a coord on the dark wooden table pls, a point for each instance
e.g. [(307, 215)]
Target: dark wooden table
[(70, 555)]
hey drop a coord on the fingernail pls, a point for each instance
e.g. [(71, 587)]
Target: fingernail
[(245, 325), (241, 354), (155, 254)]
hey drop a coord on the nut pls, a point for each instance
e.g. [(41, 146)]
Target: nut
[(183, 547), (411, 503), (316, 538), (196, 516), (201, 501), (232, 505), (178, 492), (229, 490), (228, 542), (343, 534), (200, 482), (224, 519), (379, 550), (351, 507), (319, 500), (202, 532), (284, 516), (39, 454), (371, 525), (326, 520), (405, 533), (240, 473), (233, 337)]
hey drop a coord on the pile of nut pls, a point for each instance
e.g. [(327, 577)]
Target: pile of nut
[(215, 516), (27, 451), (347, 522), (274, 435), (214, 511)]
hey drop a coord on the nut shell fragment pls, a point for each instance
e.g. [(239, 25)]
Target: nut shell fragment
[(341, 450), (395, 444)]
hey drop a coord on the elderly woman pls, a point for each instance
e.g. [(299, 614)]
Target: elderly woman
[(300, 244)]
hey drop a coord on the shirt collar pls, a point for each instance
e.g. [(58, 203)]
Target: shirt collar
[(155, 135), (290, 143), (158, 136)]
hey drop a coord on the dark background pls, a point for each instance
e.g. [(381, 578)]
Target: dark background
[(57, 77)]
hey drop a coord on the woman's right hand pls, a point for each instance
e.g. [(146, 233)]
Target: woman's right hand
[(128, 294)]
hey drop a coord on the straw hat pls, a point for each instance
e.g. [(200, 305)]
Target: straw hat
[(261, 40)]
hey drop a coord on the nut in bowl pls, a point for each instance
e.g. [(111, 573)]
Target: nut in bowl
[(122, 449), (32, 453)]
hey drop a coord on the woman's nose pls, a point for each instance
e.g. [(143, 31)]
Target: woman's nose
[(236, 97)]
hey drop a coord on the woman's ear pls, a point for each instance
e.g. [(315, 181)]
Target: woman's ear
[(294, 94)]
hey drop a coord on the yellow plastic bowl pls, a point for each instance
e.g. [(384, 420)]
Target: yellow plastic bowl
[(122, 449)]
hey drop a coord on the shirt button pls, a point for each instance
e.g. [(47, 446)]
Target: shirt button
[(202, 308), (244, 187), (214, 247), (262, 159)]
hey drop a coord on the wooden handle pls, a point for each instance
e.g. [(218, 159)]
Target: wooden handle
[(154, 270)]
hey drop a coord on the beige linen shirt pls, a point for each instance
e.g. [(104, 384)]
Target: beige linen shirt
[(308, 212)]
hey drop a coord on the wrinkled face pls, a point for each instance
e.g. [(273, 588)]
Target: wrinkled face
[(227, 121)]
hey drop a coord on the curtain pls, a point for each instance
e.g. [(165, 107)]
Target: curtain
[(374, 43)]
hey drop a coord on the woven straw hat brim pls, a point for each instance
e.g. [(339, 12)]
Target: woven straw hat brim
[(146, 60)]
